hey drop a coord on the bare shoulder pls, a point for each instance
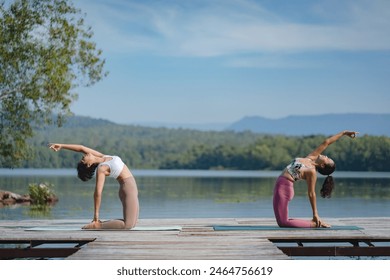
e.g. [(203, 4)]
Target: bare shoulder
[(92, 151), (103, 169), (308, 161), (312, 156)]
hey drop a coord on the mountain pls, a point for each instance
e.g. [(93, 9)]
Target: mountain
[(82, 121), (192, 126), (372, 124)]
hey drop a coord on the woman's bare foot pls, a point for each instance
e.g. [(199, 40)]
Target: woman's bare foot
[(93, 225)]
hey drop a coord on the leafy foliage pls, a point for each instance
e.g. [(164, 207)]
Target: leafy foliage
[(45, 53), (41, 194), (162, 148)]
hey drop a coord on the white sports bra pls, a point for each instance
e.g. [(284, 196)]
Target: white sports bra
[(116, 165)]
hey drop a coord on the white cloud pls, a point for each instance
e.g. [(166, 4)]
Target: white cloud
[(229, 27)]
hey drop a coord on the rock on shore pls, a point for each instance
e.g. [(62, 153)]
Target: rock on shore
[(10, 198)]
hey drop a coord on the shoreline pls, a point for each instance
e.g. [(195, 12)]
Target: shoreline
[(186, 173)]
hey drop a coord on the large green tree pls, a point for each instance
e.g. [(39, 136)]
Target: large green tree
[(46, 53)]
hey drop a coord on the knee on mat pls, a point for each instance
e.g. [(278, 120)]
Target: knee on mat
[(283, 224), (130, 225)]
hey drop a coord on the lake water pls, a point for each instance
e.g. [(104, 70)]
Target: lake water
[(197, 194)]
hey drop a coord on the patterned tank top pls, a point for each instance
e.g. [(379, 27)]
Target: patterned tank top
[(294, 169)]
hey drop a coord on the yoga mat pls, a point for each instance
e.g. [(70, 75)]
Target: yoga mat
[(138, 228), (242, 227)]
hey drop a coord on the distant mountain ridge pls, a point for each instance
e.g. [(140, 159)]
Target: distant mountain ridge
[(192, 126), (326, 124), (372, 124)]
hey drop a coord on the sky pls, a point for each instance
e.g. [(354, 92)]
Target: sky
[(217, 61)]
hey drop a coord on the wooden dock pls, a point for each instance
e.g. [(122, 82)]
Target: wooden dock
[(196, 240)]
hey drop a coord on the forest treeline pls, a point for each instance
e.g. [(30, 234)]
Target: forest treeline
[(163, 148)]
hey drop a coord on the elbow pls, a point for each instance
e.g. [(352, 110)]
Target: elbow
[(83, 149), (97, 195), (327, 142), (312, 195)]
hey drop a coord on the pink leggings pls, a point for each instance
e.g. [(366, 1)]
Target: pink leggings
[(283, 194)]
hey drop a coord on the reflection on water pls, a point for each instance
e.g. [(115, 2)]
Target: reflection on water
[(193, 194)]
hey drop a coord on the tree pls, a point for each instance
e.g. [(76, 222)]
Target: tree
[(46, 52)]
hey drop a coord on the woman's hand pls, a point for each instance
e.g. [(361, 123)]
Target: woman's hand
[(324, 225), (351, 134), (55, 147), (93, 225), (318, 223), (316, 220)]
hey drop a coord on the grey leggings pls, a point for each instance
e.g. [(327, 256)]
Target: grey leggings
[(128, 194)]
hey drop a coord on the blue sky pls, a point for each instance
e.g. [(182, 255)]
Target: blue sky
[(206, 61)]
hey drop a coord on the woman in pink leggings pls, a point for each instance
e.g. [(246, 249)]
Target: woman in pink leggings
[(103, 165), (305, 169)]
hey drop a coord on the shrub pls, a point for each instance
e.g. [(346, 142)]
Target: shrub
[(41, 194)]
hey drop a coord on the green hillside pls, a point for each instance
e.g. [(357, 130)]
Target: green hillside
[(163, 148)]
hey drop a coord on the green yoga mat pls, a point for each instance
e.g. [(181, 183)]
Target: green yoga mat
[(243, 227), (138, 228)]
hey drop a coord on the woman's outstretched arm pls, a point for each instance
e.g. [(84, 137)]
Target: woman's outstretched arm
[(75, 148), (330, 141)]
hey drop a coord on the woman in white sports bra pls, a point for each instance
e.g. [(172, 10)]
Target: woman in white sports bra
[(112, 166), (305, 169)]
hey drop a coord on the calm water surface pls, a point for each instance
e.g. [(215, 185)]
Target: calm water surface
[(197, 194)]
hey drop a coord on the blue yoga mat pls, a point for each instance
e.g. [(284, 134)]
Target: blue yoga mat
[(243, 227)]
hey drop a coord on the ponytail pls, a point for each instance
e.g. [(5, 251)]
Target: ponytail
[(327, 187)]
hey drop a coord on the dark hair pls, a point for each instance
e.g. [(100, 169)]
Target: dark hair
[(327, 169), (85, 172), (327, 187)]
